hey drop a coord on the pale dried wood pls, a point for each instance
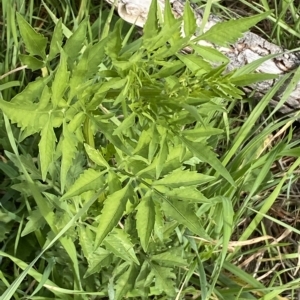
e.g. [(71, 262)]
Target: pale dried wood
[(246, 50)]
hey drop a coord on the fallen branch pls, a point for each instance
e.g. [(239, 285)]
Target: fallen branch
[(247, 49)]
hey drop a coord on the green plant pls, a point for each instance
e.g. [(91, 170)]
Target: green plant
[(114, 155)]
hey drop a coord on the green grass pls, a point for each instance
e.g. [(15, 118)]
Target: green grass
[(110, 187)]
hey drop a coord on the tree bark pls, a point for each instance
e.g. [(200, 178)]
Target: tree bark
[(246, 50)]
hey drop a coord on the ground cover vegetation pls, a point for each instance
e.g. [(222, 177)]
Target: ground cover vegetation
[(132, 170)]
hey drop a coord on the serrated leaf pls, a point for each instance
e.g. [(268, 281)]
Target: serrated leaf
[(32, 91), (27, 161), (56, 40), (189, 20), (228, 32), (113, 209), (61, 80), (96, 261), (121, 268), (179, 178), (35, 43), (170, 20), (174, 161), (96, 55), (170, 258), (47, 147), (188, 194), (85, 240), (140, 282), (195, 63), (32, 62), (35, 222), (114, 83), (164, 51), (114, 43), (53, 200), (45, 98), (69, 148), (203, 152), (128, 122), (89, 180), (78, 76), (126, 282), (118, 242), (192, 109), (168, 69), (114, 139), (143, 143), (22, 109), (201, 132), (87, 66), (163, 153), (249, 79), (210, 54), (96, 156), (160, 40), (77, 121), (183, 213), (61, 219), (229, 90), (145, 219), (114, 183), (151, 25), (159, 222), (153, 143), (75, 43), (164, 279)]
